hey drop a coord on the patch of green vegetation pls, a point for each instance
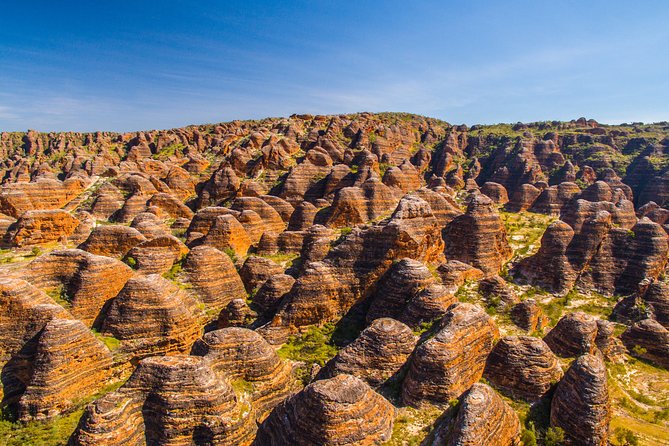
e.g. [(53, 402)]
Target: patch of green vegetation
[(168, 151), (52, 432), (383, 167), (315, 346), (524, 230), (174, 271), (414, 427), (231, 253), (59, 294), (111, 342), (241, 385), (131, 262), (282, 258)]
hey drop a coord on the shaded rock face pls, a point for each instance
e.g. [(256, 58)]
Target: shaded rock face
[(338, 411), (89, 281), (328, 289), (484, 419), (522, 366), (256, 270), (213, 277), (156, 256), (580, 405), (42, 194), (649, 340), (376, 355), (450, 362), (24, 312), (151, 315), (171, 400), (656, 299), (478, 237), (242, 353), (69, 364), (401, 283), (38, 227), (600, 257), (497, 292), (112, 240), (529, 316), (573, 335)]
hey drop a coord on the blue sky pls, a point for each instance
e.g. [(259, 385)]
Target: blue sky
[(131, 65)]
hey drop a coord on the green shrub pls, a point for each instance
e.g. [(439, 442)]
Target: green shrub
[(554, 436), (625, 437)]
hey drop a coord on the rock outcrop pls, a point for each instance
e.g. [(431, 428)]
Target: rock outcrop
[(450, 362), (522, 366), (573, 335), (338, 411), (69, 364), (377, 355), (580, 405), (478, 237), (484, 419)]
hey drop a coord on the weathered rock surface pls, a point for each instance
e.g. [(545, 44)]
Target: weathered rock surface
[(88, 282), (244, 354), (529, 316), (573, 335), (213, 277), (36, 227), (376, 355), (478, 237), (522, 366), (580, 405), (112, 240), (338, 411), (484, 419), (151, 316), (69, 364), (449, 363), (649, 340)]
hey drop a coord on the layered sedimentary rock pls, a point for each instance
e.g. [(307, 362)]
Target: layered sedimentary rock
[(353, 205), (226, 233), (157, 255), (649, 340), (357, 262), (151, 315), (87, 281), (256, 270), (455, 273), (496, 192), (37, 227), (529, 316), (175, 400), (269, 295), (601, 257), (403, 281), (213, 276), (244, 354), (478, 237), (656, 299), (450, 362), (338, 411), (24, 312), (497, 292), (113, 420), (573, 335), (376, 355), (42, 194), (112, 240), (69, 364), (522, 366), (484, 419), (430, 303), (580, 405), (236, 313)]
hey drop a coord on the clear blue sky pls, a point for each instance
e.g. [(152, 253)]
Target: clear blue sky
[(129, 65)]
